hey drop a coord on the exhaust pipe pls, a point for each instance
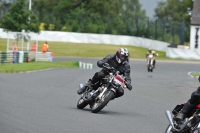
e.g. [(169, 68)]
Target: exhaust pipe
[(169, 117)]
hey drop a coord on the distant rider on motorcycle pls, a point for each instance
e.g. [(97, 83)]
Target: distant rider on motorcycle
[(189, 105), (120, 62), (151, 52)]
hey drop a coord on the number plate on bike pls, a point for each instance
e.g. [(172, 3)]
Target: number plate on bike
[(119, 79)]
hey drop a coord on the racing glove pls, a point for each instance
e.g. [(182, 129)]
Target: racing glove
[(106, 64), (129, 86)]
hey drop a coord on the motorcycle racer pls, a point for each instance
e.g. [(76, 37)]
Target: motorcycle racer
[(151, 52), (120, 62), (189, 105)]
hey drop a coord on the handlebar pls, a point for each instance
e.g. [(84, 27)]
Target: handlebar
[(107, 66)]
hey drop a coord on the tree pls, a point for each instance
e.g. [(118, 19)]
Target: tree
[(175, 10), (95, 16), (19, 18), (3, 7)]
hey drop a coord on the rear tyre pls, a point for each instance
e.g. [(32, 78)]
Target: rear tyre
[(101, 103), (81, 103)]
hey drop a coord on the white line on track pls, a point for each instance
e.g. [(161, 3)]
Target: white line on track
[(190, 74), (38, 70)]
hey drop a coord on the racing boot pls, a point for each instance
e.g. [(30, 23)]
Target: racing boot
[(183, 113), (89, 83)]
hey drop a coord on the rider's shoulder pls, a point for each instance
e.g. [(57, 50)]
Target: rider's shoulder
[(110, 56), (126, 63)]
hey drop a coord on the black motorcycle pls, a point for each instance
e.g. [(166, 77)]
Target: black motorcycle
[(191, 124), (105, 91)]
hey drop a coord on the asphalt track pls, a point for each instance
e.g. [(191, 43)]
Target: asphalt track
[(45, 101)]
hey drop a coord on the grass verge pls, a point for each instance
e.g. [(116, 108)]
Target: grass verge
[(16, 68), (195, 74), (87, 50)]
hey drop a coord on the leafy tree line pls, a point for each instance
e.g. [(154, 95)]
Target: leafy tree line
[(176, 10), (119, 17)]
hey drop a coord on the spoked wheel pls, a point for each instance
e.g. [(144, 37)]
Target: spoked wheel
[(169, 129), (101, 103), (81, 103)]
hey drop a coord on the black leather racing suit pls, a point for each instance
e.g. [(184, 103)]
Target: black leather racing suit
[(123, 68)]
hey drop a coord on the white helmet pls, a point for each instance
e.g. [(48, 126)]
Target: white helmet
[(122, 55)]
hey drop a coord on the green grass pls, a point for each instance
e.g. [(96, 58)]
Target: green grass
[(195, 74), (88, 50), (23, 67)]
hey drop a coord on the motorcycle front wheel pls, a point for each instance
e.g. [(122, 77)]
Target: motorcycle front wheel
[(81, 103), (168, 130), (101, 103)]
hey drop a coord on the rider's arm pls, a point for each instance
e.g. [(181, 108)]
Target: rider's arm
[(155, 54), (127, 73), (104, 60), (147, 54)]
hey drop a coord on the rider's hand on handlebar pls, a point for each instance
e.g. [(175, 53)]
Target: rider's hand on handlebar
[(106, 65), (111, 69), (129, 86)]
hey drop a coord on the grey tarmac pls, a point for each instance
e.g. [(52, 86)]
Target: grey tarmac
[(45, 101)]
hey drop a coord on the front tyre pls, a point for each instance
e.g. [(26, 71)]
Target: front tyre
[(168, 130), (101, 103), (81, 103)]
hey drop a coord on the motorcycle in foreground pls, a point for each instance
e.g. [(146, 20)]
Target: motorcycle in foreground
[(150, 60), (106, 91), (191, 124)]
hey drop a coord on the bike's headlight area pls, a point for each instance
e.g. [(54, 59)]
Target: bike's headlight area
[(116, 84)]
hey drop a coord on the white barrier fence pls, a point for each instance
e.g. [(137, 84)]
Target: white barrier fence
[(41, 56), (188, 54), (58, 36), (112, 39)]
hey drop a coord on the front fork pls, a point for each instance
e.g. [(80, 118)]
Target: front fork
[(150, 63), (105, 89)]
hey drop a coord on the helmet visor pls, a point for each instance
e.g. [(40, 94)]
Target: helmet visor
[(122, 57)]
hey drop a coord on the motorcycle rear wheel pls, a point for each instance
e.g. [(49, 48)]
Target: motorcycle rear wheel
[(81, 103), (99, 105)]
